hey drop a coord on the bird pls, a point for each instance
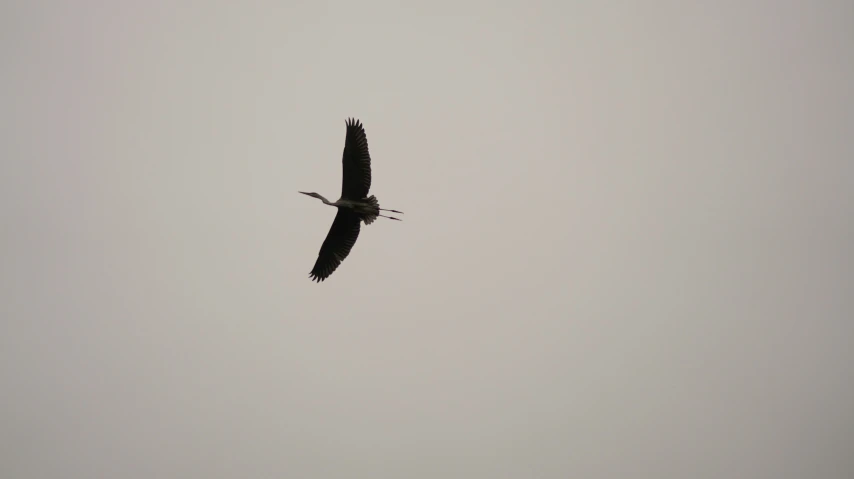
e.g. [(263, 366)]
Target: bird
[(354, 207)]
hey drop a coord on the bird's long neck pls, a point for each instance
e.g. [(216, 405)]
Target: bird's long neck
[(324, 200)]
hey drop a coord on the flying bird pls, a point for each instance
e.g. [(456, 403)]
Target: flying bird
[(354, 206)]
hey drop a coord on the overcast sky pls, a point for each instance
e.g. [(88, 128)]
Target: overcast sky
[(626, 248)]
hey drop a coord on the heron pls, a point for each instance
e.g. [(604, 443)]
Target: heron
[(354, 206)]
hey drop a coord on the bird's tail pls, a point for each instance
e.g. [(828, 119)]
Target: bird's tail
[(370, 218)]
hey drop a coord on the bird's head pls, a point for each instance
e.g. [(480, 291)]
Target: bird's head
[(316, 195)]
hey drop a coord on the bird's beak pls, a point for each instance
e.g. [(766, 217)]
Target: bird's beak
[(303, 192)]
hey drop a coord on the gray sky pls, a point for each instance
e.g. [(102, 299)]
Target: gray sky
[(626, 249)]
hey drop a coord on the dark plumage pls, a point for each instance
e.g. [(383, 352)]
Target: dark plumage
[(354, 206), (339, 241), (356, 161)]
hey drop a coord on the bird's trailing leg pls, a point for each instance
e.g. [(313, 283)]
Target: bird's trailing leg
[(392, 211)]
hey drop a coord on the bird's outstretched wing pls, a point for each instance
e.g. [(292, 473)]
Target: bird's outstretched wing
[(357, 162), (337, 245)]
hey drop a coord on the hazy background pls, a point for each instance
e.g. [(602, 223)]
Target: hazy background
[(627, 247)]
